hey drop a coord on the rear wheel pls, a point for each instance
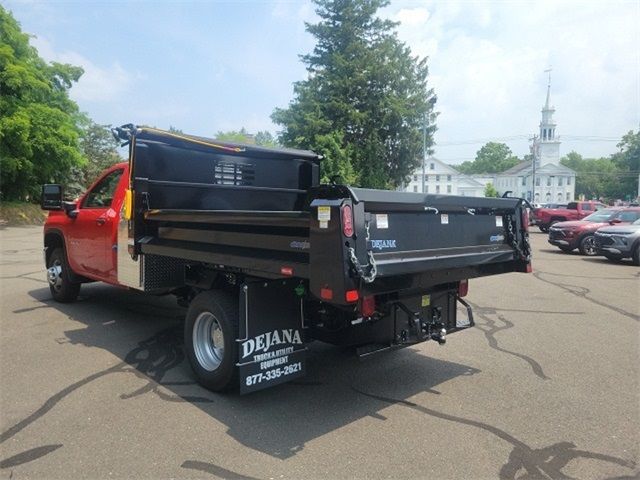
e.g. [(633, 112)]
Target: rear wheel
[(588, 246), (636, 255), (63, 289), (210, 333)]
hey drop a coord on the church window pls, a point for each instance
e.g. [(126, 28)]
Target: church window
[(426, 178), (415, 188), (437, 178), (548, 181), (560, 182), (426, 189), (537, 181), (448, 178), (524, 181), (568, 196), (448, 188), (568, 180), (437, 188), (432, 166), (415, 178)]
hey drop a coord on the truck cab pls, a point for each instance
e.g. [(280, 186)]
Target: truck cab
[(86, 229)]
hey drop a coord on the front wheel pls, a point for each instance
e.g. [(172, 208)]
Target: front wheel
[(63, 289), (210, 333), (588, 246)]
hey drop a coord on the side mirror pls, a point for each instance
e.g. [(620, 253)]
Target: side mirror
[(51, 197), (70, 208), (614, 221)]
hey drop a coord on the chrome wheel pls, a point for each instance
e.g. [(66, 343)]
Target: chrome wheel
[(208, 341), (54, 275)]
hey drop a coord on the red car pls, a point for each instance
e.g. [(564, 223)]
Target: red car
[(579, 233)]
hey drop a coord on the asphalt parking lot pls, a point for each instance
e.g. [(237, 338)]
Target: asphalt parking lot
[(545, 386)]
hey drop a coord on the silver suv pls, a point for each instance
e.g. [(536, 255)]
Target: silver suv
[(619, 242)]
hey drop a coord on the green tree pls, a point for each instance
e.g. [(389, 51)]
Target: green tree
[(100, 149), (490, 190), (336, 164), (364, 89), (39, 133), (493, 157), (262, 138), (595, 177), (627, 160)]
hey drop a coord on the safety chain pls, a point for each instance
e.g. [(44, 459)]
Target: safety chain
[(525, 254), (371, 262)]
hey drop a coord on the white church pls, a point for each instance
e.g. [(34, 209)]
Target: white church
[(553, 182)]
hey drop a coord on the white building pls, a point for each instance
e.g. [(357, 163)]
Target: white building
[(553, 182), (441, 178)]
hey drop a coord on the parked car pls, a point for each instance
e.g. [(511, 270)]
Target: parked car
[(619, 242), (579, 233), (545, 217)]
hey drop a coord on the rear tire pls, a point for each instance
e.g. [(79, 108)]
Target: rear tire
[(588, 246), (210, 333), (636, 256), (63, 289)]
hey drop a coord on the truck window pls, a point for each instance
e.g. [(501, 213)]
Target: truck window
[(101, 195), (572, 206)]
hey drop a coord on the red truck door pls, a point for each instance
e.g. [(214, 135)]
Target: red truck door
[(91, 239)]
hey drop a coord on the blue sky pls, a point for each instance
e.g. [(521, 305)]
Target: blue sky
[(204, 66)]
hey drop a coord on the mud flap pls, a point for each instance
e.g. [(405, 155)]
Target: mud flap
[(271, 346)]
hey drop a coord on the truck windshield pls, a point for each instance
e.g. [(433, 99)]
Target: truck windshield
[(601, 216)]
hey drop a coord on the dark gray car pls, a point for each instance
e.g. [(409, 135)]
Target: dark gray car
[(619, 242)]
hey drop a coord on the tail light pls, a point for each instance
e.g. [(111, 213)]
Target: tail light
[(368, 306), (463, 288), (347, 221), (351, 296)]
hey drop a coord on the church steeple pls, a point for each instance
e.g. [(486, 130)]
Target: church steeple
[(549, 141)]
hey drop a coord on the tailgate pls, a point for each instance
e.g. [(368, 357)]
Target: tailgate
[(409, 242), (440, 238)]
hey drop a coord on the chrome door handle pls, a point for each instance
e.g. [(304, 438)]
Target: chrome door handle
[(101, 220)]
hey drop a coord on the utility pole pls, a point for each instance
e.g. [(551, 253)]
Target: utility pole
[(534, 155), (424, 151)]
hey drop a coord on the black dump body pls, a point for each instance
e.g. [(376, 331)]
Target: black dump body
[(262, 212)]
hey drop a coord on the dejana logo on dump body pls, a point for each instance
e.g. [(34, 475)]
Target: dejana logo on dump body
[(383, 244)]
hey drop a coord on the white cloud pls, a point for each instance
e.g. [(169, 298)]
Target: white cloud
[(487, 61), (98, 83)]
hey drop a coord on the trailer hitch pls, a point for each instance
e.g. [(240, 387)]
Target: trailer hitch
[(423, 330)]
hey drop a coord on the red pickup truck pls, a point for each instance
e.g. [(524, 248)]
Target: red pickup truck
[(545, 217)]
